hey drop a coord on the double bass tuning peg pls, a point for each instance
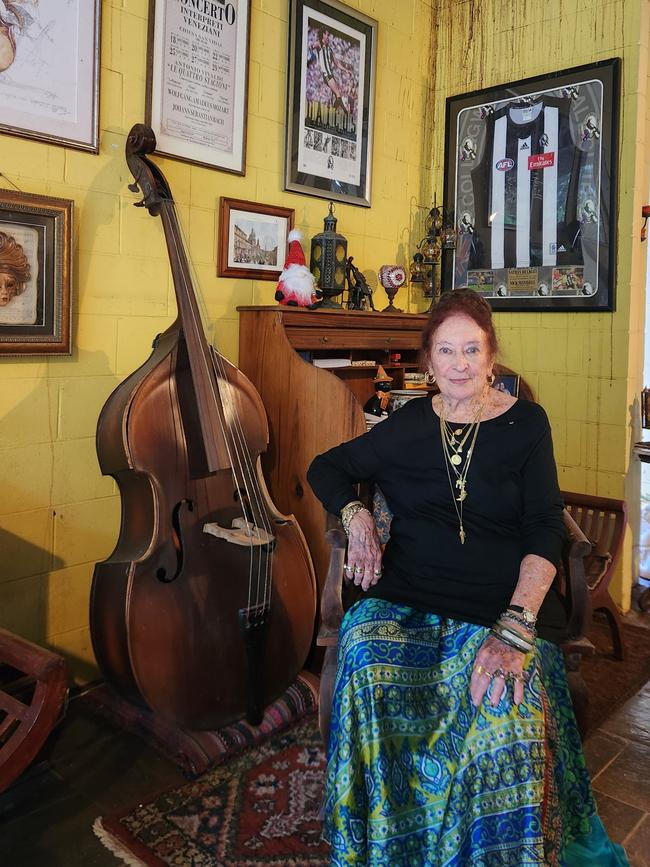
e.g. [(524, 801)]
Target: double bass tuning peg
[(136, 189)]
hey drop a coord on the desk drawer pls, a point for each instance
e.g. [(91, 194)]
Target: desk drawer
[(310, 338)]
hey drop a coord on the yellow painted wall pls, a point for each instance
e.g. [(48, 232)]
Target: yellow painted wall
[(584, 368), (58, 515)]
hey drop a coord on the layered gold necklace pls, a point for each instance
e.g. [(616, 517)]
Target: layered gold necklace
[(457, 459)]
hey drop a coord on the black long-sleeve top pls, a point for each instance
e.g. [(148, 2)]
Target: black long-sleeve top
[(513, 508)]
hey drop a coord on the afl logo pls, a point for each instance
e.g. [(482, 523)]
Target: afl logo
[(505, 165)]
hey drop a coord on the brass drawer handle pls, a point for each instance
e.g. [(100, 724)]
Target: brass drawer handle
[(324, 339)]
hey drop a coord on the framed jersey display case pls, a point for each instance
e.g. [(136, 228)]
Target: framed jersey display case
[(530, 176)]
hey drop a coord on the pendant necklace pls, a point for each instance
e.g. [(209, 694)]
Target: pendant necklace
[(453, 443)]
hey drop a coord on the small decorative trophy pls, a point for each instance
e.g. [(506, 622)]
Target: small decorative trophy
[(391, 277)]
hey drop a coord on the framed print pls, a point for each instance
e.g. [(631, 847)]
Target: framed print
[(530, 176), (49, 71), (507, 383), (330, 100), (35, 274), (252, 239), (197, 80)]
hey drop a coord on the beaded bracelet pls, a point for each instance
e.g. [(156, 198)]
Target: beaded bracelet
[(349, 511), (527, 614), (514, 618)]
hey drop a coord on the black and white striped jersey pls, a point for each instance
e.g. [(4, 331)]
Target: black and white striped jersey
[(526, 187)]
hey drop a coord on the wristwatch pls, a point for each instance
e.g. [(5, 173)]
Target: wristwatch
[(529, 617)]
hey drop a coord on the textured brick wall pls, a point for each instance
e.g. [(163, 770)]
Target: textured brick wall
[(58, 515)]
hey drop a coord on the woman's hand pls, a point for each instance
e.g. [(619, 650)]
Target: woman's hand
[(364, 551), (493, 658)]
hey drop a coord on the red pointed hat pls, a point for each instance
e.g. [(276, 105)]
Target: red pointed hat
[(295, 255)]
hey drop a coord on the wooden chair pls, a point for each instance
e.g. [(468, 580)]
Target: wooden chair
[(33, 691), (338, 594), (603, 522)]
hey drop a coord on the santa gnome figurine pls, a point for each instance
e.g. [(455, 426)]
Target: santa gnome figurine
[(296, 285)]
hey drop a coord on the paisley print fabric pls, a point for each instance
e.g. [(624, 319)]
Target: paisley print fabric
[(418, 776)]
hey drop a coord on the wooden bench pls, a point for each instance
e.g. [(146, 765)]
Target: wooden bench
[(603, 521)]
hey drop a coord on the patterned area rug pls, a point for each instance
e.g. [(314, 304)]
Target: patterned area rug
[(260, 808), (197, 752)]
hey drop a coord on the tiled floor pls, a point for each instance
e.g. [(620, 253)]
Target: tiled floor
[(618, 757), (92, 770)]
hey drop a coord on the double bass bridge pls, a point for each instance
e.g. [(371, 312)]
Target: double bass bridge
[(242, 532)]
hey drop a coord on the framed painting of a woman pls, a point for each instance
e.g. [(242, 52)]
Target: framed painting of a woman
[(35, 274)]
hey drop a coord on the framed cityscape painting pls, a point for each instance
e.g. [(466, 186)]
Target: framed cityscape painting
[(252, 241)]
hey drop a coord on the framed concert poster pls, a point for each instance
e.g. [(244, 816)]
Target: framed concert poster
[(197, 81), (49, 71), (252, 242), (35, 274), (330, 101), (530, 177)]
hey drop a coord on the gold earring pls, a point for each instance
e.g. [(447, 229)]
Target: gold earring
[(429, 378), (491, 379)]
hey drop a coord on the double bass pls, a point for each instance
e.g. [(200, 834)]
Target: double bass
[(205, 610)]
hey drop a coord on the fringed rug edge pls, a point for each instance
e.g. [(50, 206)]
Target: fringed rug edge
[(123, 845)]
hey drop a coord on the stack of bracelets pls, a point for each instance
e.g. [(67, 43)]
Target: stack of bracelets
[(506, 632), (348, 512)]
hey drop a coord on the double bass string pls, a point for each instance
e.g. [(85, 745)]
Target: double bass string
[(244, 459)]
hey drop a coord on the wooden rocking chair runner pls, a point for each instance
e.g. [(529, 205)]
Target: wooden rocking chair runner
[(574, 588), (603, 521), (33, 689)]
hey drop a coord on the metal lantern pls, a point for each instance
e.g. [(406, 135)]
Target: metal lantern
[(329, 251), (427, 259)]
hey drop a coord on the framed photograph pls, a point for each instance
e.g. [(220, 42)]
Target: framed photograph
[(49, 71), (252, 239), (530, 177), (35, 274), (197, 81), (507, 383), (330, 100)]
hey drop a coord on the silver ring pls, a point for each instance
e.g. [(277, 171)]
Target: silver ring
[(347, 567), (377, 572), (358, 570)]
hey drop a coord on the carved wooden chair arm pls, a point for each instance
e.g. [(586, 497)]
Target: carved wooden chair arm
[(331, 605), (574, 552), (599, 566)]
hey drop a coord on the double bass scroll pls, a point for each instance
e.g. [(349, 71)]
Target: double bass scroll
[(205, 610)]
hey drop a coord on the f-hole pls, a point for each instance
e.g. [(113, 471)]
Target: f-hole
[(177, 541)]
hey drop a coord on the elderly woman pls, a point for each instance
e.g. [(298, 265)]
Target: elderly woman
[(453, 741)]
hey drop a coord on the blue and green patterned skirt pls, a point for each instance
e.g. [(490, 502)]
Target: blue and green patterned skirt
[(419, 777)]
